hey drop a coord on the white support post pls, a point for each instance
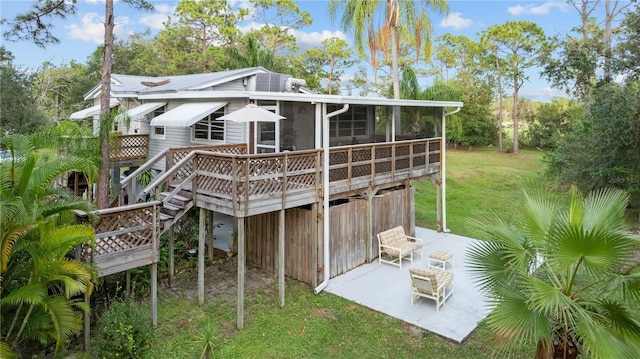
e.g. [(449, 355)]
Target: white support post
[(241, 272), (281, 283), (154, 294), (201, 234)]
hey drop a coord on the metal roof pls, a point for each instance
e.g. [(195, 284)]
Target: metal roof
[(191, 87)]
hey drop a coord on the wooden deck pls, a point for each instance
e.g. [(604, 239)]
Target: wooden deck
[(227, 180)]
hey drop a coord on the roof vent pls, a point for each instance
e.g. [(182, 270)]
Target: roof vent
[(293, 84), (154, 84)]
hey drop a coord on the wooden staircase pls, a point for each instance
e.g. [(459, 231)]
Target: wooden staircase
[(173, 208)]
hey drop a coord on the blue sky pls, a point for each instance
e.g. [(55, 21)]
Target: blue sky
[(81, 33)]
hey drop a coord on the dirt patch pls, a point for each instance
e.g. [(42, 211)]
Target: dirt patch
[(220, 278)]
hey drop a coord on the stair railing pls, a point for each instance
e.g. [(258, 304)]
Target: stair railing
[(129, 183)]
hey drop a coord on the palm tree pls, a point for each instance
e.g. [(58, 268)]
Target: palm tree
[(399, 16), (39, 281), (439, 90), (553, 279)]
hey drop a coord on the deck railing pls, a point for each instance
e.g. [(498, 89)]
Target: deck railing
[(129, 149), (251, 184), (130, 229), (242, 185), (360, 166)]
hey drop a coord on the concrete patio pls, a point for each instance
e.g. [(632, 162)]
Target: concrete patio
[(386, 289)]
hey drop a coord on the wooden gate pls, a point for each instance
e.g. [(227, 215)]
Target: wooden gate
[(348, 236), (262, 243)]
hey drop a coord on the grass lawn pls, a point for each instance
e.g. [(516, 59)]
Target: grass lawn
[(479, 181), (324, 325)]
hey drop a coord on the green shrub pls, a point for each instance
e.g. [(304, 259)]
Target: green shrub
[(123, 331)]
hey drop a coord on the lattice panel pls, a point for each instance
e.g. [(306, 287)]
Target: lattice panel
[(213, 164), (402, 164), (307, 180), (264, 187), (419, 160), (361, 171), (361, 154), (383, 167), (264, 166), (126, 235), (383, 152), (419, 148), (336, 157), (300, 163), (215, 185), (183, 172), (434, 158), (338, 174), (402, 150), (129, 147)]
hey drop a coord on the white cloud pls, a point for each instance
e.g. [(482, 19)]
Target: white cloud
[(456, 21), (155, 21), (314, 39), (91, 28), (537, 10)]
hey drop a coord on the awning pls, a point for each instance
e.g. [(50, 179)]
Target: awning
[(187, 114), (137, 112), (91, 111), (251, 113)]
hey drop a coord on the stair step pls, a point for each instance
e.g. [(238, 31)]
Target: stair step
[(177, 199), (170, 209)]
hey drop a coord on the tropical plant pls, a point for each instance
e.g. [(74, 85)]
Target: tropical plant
[(553, 279), (123, 331), (41, 284), (398, 19)]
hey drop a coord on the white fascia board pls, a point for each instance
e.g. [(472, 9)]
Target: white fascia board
[(299, 97)]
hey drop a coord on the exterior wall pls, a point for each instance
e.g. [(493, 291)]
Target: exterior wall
[(182, 136), (262, 243), (235, 85), (348, 235), (133, 127)]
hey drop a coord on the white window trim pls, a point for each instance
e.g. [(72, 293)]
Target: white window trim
[(156, 136)]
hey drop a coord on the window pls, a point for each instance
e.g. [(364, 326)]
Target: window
[(349, 124), (158, 132), (210, 129), (159, 111)]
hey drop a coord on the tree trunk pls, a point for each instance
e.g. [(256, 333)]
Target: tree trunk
[(586, 78), (500, 149), (608, 34), (543, 350), (395, 71), (515, 115), (105, 99)]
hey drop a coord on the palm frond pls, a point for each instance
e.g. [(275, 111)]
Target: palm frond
[(514, 319), (30, 294), (9, 239), (605, 208), (6, 352)]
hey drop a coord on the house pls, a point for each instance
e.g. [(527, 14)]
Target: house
[(308, 192)]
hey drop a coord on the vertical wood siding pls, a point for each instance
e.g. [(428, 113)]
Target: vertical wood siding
[(390, 210), (262, 250), (347, 237)]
